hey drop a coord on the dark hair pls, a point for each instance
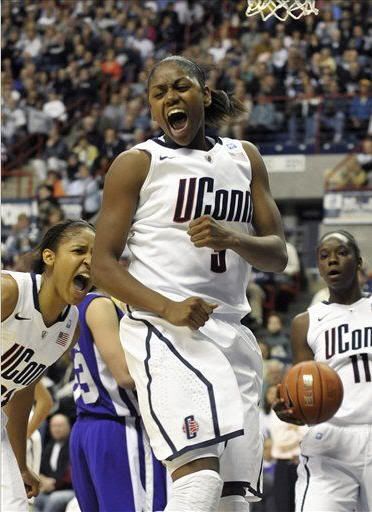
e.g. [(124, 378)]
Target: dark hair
[(347, 235), (224, 105), (53, 237)]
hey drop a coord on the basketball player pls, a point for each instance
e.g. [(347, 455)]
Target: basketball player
[(112, 464), (196, 212), (335, 471), (39, 321)]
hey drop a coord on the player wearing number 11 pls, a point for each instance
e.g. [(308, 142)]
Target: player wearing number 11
[(196, 213), (335, 471)]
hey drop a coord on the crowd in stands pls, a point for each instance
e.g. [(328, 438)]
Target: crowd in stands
[(74, 73)]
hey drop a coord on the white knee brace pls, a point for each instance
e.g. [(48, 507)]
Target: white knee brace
[(199, 492), (233, 503)]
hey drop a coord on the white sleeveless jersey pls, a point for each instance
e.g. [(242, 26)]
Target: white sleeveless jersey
[(341, 336), (28, 347), (184, 184)]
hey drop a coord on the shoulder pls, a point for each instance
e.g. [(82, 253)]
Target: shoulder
[(9, 295), (251, 150), (100, 309), (300, 323), (258, 165), (134, 162)]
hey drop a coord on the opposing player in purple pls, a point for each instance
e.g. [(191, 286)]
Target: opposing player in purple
[(113, 467), (39, 323), (196, 213)]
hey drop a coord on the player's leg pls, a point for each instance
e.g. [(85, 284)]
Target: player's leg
[(325, 484), (365, 441), (81, 477), (197, 484), (157, 482), (119, 481), (13, 494), (241, 461)]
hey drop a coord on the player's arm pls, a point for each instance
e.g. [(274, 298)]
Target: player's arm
[(301, 352), (300, 348), (122, 187), (9, 295), (266, 250), (103, 323), (18, 412), (42, 407)]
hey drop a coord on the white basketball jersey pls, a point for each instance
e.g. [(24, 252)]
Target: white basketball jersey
[(341, 336), (184, 184), (28, 347)]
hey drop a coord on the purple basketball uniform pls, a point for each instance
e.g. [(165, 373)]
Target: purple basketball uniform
[(113, 468)]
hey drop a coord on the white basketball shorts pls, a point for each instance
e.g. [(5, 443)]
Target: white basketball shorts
[(335, 471), (13, 493), (197, 389)]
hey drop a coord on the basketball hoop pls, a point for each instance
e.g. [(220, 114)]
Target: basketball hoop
[(281, 9)]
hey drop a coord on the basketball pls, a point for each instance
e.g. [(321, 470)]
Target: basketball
[(314, 390)]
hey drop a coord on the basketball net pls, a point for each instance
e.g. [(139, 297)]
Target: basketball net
[(281, 9)]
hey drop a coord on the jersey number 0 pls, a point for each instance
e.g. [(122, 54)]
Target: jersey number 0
[(218, 261)]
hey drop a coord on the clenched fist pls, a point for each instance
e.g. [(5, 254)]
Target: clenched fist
[(207, 232), (192, 312)]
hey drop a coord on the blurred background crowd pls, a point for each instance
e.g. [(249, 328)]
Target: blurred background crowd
[(74, 97)]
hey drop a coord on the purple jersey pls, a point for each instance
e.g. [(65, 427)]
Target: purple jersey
[(113, 468), (95, 390)]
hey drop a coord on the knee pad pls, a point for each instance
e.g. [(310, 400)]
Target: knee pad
[(199, 492), (233, 503)]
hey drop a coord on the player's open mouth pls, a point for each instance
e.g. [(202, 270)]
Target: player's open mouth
[(82, 282), (177, 119), (333, 273)]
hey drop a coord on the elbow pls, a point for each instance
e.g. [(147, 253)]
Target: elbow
[(97, 271), (126, 382), (281, 259)]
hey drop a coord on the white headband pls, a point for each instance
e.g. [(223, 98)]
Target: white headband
[(340, 236)]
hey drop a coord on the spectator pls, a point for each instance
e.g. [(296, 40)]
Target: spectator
[(22, 239), (286, 440), (114, 113), (87, 187), (333, 111), (86, 152), (55, 146), (111, 145), (54, 179), (55, 107), (361, 109), (45, 201), (276, 338), (55, 474)]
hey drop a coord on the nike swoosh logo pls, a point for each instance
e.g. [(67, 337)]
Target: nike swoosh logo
[(164, 157), (322, 318), (17, 317)]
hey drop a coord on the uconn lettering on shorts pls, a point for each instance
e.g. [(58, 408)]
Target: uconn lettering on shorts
[(197, 197), (18, 368)]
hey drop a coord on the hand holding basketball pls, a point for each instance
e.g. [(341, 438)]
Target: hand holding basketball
[(312, 393)]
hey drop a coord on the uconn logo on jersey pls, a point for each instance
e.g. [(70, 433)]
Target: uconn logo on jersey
[(339, 340), (197, 197), (17, 366)]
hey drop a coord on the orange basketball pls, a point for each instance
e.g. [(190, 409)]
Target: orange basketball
[(314, 391)]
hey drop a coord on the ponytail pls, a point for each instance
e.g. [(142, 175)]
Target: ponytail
[(224, 106)]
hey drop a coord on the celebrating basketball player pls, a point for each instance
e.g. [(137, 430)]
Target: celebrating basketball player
[(108, 421), (196, 212), (335, 472), (38, 325)]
